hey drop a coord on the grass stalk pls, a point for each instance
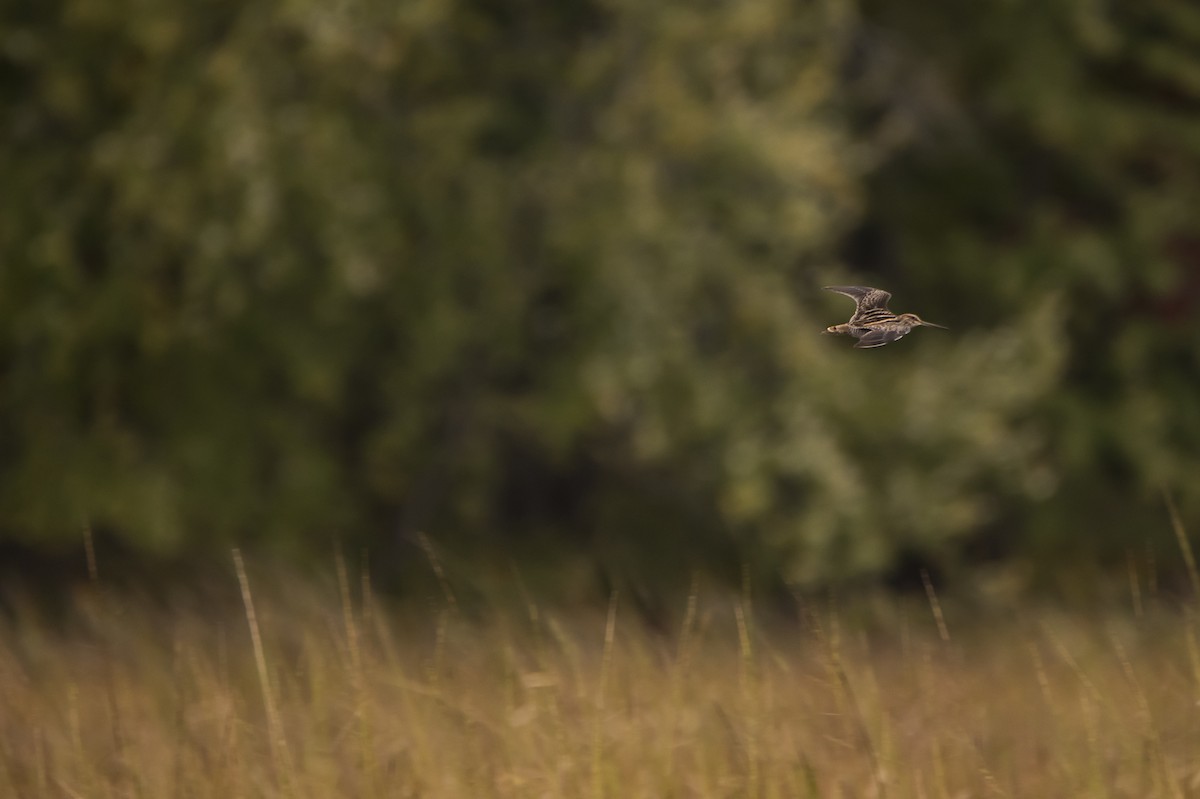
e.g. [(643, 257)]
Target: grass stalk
[(280, 756), (1185, 546), (610, 631), (362, 706), (935, 606)]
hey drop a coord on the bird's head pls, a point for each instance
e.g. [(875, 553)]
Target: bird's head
[(913, 319)]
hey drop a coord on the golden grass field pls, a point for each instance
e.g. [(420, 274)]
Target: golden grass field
[(329, 693)]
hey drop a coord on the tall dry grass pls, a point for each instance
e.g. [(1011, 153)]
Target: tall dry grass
[(306, 692)]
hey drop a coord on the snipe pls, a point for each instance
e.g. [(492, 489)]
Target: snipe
[(872, 323)]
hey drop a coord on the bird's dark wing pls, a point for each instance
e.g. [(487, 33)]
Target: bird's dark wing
[(867, 298), (880, 336)]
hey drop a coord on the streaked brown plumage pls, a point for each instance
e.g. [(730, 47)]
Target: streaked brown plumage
[(872, 323)]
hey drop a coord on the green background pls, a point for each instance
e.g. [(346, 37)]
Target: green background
[(542, 280)]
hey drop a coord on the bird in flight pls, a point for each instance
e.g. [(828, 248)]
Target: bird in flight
[(872, 323)]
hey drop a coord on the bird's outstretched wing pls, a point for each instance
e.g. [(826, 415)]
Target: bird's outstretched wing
[(880, 336), (867, 298)]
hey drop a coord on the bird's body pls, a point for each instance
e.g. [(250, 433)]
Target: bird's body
[(872, 323)]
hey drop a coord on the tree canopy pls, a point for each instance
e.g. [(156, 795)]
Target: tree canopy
[(548, 274)]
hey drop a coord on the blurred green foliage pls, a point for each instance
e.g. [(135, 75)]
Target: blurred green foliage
[(542, 274)]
